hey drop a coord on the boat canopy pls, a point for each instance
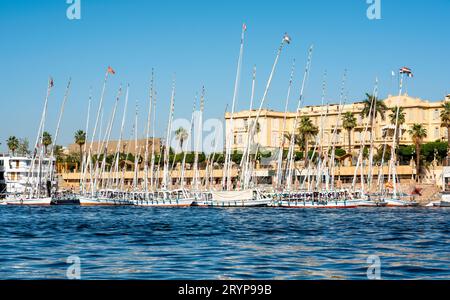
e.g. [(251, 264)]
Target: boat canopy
[(232, 195)]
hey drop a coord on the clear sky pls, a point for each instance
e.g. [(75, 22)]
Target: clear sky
[(198, 40)]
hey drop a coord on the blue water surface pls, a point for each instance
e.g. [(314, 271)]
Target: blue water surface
[(236, 243)]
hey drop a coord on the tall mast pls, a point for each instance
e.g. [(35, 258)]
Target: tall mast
[(55, 137), (136, 155), (198, 140), (282, 138), (362, 145), (100, 106), (392, 167), (372, 133), (168, 137), (290, 158), (152, 162), (342, 103), (286, 39), (226, 180), (245, 161), (83, 163), (183, 163), (147, 133), (117, 152), (38, 142), (105, 142)]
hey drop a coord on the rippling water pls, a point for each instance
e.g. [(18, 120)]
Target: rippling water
[(200, 243)]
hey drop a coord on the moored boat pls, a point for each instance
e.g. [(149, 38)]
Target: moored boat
[(245, 198)]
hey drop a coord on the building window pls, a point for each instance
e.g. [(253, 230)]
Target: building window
[(436, 132), (436, 114), (240, 139)]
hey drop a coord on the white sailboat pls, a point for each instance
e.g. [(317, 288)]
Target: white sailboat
[(243, 198)]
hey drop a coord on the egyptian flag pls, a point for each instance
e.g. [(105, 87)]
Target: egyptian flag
[(50, 82), (287, 38), (406, 71), (111, 71), (244, 27)]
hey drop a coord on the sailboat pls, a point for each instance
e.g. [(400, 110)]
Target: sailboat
[(36, 192), (243, 198)]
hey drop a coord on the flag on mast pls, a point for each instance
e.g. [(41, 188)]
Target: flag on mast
[(287, 38), (406, 71), (111, 71), (50, 83), (393, 74), (244, 27)]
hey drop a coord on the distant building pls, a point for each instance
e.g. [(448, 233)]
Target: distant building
[(15, 176), (271, 124), (126, 146)]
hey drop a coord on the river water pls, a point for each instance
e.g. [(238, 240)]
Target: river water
[(214, 243)]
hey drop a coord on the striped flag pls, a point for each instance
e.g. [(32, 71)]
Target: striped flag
[(244, 27), (406, 71), (50, 83), (111, 71)]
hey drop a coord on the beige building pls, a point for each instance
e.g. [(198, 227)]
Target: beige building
[(271, 126), (127, 146)]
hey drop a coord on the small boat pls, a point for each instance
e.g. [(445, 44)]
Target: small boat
[(395, 202), (105, 198), (325, 199), (165, 198), (316, 204), (245, 198), (44, 201)]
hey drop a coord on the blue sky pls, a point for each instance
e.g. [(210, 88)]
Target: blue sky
[(198, 40)]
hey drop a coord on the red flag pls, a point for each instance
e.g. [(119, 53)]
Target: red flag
[(50, 83), (406, 71), (244, 27), (111, 71)]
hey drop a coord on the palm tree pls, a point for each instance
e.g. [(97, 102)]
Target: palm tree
[(400, 121), (80, 139), (348, 123), (13, 144), (181, 135), (307, 130), (378, 109), (445, 120), (418, 133), (46, 140)]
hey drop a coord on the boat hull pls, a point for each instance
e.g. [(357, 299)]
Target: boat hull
[(85, 201), (164, 203), (233, 203), (30, 202), (399, 203), (309, 204)]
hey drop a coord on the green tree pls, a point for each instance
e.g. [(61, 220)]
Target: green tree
[(181, 135), (307, 130), (46, 140), (400, 121), (379, 109), (23, 147), (349, 123), (13, 144), (445, 119), (418, 133), (58, 151), (80, 140)]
